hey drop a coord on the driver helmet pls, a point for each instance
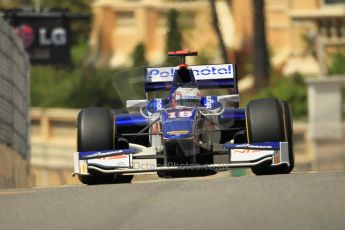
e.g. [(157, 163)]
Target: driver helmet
[(186, 97)]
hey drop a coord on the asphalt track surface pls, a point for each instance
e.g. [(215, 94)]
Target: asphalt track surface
[(296, 201)]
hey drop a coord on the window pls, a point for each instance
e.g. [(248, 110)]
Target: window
[(125, 18), (332, 2)]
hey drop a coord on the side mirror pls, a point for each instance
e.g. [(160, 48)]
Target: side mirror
[(136, 103), (228, 98)]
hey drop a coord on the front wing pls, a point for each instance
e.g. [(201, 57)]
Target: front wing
[(124, 161)]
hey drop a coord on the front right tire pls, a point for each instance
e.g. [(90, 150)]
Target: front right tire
[(269, 120)]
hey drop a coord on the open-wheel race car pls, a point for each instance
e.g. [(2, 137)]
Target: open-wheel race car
[(185, 133)]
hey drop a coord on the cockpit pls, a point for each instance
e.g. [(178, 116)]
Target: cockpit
[(183, 77)]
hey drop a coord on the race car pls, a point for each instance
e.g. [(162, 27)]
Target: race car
[(187, 132)]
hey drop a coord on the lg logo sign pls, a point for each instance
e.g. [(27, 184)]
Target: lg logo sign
[(45, 37), (56, 37)]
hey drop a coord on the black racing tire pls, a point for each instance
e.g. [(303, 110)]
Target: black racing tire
[(95, 131), (96, 178), (269, 120)]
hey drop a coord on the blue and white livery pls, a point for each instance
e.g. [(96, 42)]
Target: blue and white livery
[(187, 131)]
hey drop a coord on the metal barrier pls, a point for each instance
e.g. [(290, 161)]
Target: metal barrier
[(14, 111), (14, 92)]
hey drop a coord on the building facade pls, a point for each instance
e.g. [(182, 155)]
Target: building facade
[(295, 29), (119, 26), (292, 28)]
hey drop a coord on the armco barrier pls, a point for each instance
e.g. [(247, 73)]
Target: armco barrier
[(14, 110)]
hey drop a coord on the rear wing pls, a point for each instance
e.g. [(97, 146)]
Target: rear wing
[(206, 76)]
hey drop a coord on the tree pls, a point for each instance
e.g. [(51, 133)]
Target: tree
[(138, 55), (337, 63), (229, 2), (174, 35), (215, 25), (260, 53)]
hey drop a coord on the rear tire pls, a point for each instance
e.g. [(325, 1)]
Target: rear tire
[(269, 120), (95, 131)]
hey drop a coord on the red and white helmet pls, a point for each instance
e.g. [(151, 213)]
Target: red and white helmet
[(187, 97)]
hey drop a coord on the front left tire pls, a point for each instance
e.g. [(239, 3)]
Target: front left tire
[(96, 132)]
